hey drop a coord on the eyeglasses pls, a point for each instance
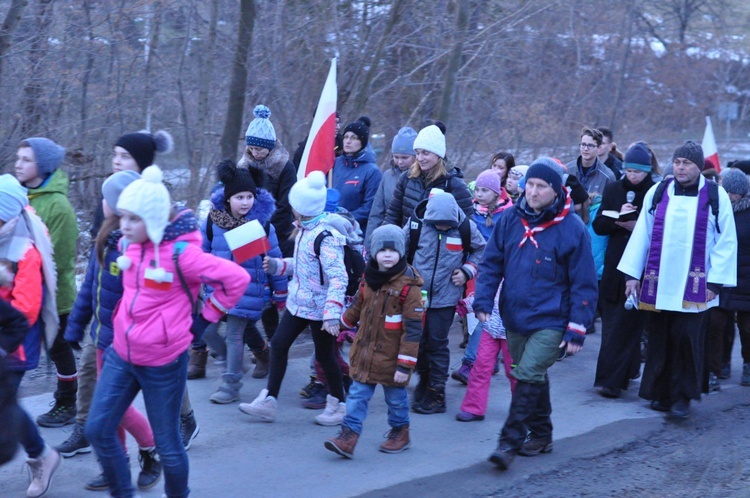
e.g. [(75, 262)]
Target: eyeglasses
[(587, 146)]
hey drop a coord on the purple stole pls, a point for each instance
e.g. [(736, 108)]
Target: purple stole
[(695, 288)]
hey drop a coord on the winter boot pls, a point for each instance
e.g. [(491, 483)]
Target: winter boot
[(462, 373), (60, 415), (333, 414), (307, 391), (317, 398), (433, 401), (189, 429), (150, 469), (522, 407), (343, 443), (533, 446), (398, 440), (262, 407), (42, 468), (262, 363), (226, 393), (197, 364), (76, 443)]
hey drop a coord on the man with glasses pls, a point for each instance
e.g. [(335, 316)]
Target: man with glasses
[(606, 152), (590, 171)]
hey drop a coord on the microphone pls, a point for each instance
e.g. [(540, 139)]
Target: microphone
[(630, 196)]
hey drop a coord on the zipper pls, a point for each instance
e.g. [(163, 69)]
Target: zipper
[(132, 304), (434, 268)]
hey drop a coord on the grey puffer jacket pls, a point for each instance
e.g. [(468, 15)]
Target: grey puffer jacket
[(411, 191), (439, 253), (380, 203)]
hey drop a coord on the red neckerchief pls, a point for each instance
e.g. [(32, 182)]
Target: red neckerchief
[(529, 232)]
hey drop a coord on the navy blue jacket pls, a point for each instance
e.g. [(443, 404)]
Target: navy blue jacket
[(550, 287), (357, 179), (261, 286), (97, 298)]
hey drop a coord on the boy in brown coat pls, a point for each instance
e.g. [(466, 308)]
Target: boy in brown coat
[(389, 309)]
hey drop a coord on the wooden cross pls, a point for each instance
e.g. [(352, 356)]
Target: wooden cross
[(697, 275), (651, 279)]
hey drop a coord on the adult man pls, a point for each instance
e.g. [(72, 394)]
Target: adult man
[(684, 245), (590, 171), (547, 302), (605, 153)]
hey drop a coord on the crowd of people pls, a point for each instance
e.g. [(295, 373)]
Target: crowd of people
[(384, 260)]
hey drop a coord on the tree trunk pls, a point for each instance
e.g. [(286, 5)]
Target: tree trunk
[(10, 24), (237, 87), (33, 90), (153, 23), (454, 63)]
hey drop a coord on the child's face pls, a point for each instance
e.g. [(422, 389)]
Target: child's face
[(403, 161), (26, 169), (133, 228), (123, 161), (511, 183), (387, 258), (484, 196), (241, 203)]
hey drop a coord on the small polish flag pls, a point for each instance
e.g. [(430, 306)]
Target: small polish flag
[(393, 322), (453, 244), (247, 241), (710, 151), (158, 279)]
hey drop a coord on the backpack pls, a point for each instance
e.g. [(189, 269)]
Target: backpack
[(353, 260), (415, 229), (195, 303), (713, 199)]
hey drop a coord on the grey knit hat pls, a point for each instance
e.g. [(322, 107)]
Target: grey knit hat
[(691, 151), (115, 184), (388, 237), (47, 154), (735, 181)]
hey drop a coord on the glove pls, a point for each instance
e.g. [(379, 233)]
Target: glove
[(199, 326), (332, 327), (346, 335), (270, 265)]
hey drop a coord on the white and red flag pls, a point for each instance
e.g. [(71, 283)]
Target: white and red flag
[(319, 150), (247, 241), (710, 151)]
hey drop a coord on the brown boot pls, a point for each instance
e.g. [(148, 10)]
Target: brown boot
[(398, 440), (343, 443), (262, 363), (197, 364)]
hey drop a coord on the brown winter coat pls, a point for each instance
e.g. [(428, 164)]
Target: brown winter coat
[(380, 346)]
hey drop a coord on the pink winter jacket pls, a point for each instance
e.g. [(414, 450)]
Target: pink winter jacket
[(152, 326)]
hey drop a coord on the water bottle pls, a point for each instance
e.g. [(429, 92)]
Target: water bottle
[(631, 302), (425, 299)]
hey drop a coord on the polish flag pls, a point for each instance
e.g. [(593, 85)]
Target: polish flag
[(247, 241), (319, 150), (393, 322), (710, 151), (453, 244), (158, 279)]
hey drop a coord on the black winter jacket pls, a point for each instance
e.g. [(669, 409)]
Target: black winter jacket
[(738, 298)]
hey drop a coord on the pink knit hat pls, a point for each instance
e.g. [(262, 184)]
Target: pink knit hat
[(489, 179)]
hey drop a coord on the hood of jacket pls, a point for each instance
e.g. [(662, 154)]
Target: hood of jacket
[(366, 155), (58, 182), (262, 210), (446, 210), (272, 165), (742, 204), (184, 223)]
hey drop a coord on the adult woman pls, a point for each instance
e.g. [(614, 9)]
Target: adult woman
[(428, 172), (502, 163), (619, 356)]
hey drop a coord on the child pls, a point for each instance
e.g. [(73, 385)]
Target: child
[(235, 203), (490, 200), (310, 303), (38, 169), (388, 307), (446, 265), (26, 275), (162, 269), (513, 182), (96, 302)]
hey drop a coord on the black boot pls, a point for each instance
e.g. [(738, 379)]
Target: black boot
[(150, 469), (432, 402), (540, 425), (522, 407)]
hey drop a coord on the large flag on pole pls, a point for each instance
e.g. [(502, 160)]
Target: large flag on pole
[(319, 150), (710, 151)]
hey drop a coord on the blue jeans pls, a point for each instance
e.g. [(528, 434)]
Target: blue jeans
[(28, 434), (359, 397), (163, 388), (470, 354)]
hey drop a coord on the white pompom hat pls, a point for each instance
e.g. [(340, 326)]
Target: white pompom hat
[(308, 196)]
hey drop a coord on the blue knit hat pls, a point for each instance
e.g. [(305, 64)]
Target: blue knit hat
[(12, 198), (260, 132), (545, 168), (403, 142), (48, 155), (637, 157)]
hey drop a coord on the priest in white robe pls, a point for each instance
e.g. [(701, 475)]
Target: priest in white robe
[(682, 251)]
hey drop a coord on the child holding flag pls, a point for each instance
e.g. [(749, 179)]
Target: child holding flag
[(241, 231)]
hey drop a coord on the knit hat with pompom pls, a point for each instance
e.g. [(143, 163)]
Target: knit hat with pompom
[(361, 128), (143, 146), (260, 131), (432, 139), (308, 196)]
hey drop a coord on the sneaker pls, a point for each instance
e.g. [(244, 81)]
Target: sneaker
[(534, 446), (263, 407), (225, 395), (317, 399), (343, 443), (468, 417), (462, 373), (42, 468), (306, 391), (98, 483), (189, 429), (150, 469), (745, 379), (433, 401), (398, 440), (75, 444), (726, 371), (59, 416), (333, 414), (714, 386)]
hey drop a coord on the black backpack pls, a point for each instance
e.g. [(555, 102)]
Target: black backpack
[(415, 228), (713, 198), (353, 260)]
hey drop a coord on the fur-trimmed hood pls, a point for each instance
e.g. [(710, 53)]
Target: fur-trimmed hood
[(262, 209), (742, 204), (272, 165)]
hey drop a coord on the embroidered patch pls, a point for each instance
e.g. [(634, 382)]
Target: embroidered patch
[(114, 270), (453, 244), (418, 310)]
